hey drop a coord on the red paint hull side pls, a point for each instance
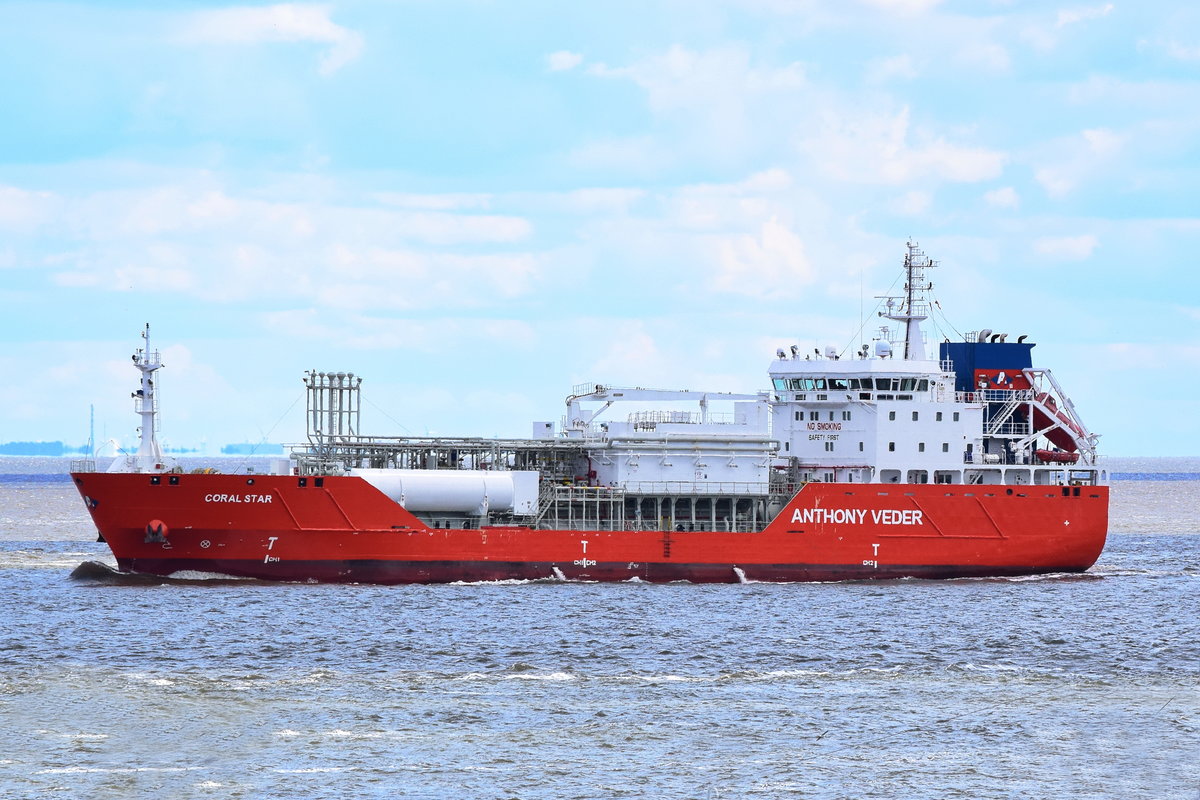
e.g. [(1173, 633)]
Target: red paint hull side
[(345, 530)]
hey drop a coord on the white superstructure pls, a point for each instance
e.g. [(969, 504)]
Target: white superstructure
[(899, 411), (897, 415)]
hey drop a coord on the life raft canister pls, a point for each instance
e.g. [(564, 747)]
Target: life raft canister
[(157, 529)]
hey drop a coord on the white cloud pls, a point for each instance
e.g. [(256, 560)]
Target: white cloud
[(1004, 197), (1046, 36), (636, 154), (912, 204), (203, 242), (359, 279), (285, 22), (876, 148), (631, 356), (882, 70), (1103, 142), (23, 210), (1183, 52), (612, 201), (720, 105), (903, 6), (769, 180), (1072, 16), (152, 279), (1056, 182), (986, 56), (355, 331), (181, 210), (738, 206), (1171, 47), (1072, 161), (1066, 248), (771, 263), (1039, 37), (563, 60), (682, 78), (449, 201)]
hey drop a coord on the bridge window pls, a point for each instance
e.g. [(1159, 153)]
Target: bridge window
[(838, 384), (908, 384), (781, 384)]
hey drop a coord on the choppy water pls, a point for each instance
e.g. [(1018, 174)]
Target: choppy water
[(1058, 686)]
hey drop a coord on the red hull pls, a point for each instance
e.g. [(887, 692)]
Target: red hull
[(345, 530)]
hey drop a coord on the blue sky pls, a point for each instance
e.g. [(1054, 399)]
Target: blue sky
[(477, 205)]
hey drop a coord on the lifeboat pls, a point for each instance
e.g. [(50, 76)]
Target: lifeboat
[(1056, 457), (1065, 438)]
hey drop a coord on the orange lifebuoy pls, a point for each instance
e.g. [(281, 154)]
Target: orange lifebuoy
[(157, 528)]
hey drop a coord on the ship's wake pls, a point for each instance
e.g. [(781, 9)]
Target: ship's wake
[(97, 572)]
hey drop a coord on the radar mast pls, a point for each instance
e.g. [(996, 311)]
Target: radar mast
[(913, 307)]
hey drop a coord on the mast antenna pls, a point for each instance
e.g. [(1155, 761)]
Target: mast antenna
[(913, 308)]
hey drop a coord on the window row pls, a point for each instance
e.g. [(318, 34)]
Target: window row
[(787, 446), (920, 447), (815, 416), (915, 416), (851, 384)]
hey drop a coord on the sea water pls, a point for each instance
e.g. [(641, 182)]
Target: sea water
[(1060, 686)]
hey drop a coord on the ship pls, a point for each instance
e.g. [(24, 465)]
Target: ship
[(898, 458)]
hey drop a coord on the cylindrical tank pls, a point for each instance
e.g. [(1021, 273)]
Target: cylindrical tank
[(445, 490)]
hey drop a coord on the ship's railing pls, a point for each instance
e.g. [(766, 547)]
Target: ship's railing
[(581, 389), (1010, 428), (617, 523), (648, 420), (83, 465), (1010, 459), (697, 488), (569, 491), (681, 525), (994, 396)]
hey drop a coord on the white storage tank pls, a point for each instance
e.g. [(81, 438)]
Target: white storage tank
[(457, 491)]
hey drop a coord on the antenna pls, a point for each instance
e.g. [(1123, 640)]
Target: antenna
[(913, 308), (145, 404)]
